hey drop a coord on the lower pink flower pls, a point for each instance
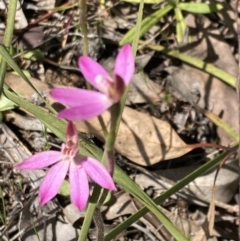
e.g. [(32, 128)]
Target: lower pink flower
[(64, 161)]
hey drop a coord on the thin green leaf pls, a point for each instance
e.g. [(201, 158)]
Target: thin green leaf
[(130, 186), (208, 68), (92, 205), (138, 28), (34, 54), (65, 189), (8, 58), (6, 104), (11, 12), (7, 41), (180, 24), (56, 125), (202, 8), (146, 24), (222, 124), (120, 180)]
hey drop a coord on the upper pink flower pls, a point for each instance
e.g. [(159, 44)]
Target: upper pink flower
[(85, 104), (79, 167)]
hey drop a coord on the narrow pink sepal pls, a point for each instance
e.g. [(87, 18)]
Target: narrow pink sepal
[(85, 111), (40, 160), (91, 69), (124, 64), (53, 181), (74, 97), (98, 173), (79, 186)]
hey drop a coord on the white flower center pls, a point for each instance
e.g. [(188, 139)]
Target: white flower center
[(103, 84)]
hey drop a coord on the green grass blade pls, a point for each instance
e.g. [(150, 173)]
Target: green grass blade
[(138, 28), (202, 8), (8, 58), (146, 24), (56, 125), (7, 41), (130, 186), (180, 24), (222, 124), (208, 68), (198, 172), (92, 205), (11, 12)]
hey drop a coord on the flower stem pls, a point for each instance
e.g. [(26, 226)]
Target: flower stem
[(83, 24), (92, 205), (108, 155)]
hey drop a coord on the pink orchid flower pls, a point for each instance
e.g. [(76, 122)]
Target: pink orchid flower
[(79, 168), (85, 104)]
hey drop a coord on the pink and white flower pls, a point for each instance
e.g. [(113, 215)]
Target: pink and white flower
[(84, 104), (64, 161)]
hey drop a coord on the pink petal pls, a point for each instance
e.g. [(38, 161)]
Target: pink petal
[(40, 160), (74, 96), (71, 133), (98, 173), (124, 65), (88, 110), (91, 70), (79, 186), (52, 181)]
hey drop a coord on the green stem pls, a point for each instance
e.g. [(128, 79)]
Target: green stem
[(97, 190), (92, 205), (108, 155), (117, 109), (107, 158), (104, 128), (83, 24), (116, 115), (7, 38)]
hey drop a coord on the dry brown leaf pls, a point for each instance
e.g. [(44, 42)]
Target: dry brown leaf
[(56, 228), (199, 236), (122, 206), (143, 139), (143, 90), (209, 45)]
